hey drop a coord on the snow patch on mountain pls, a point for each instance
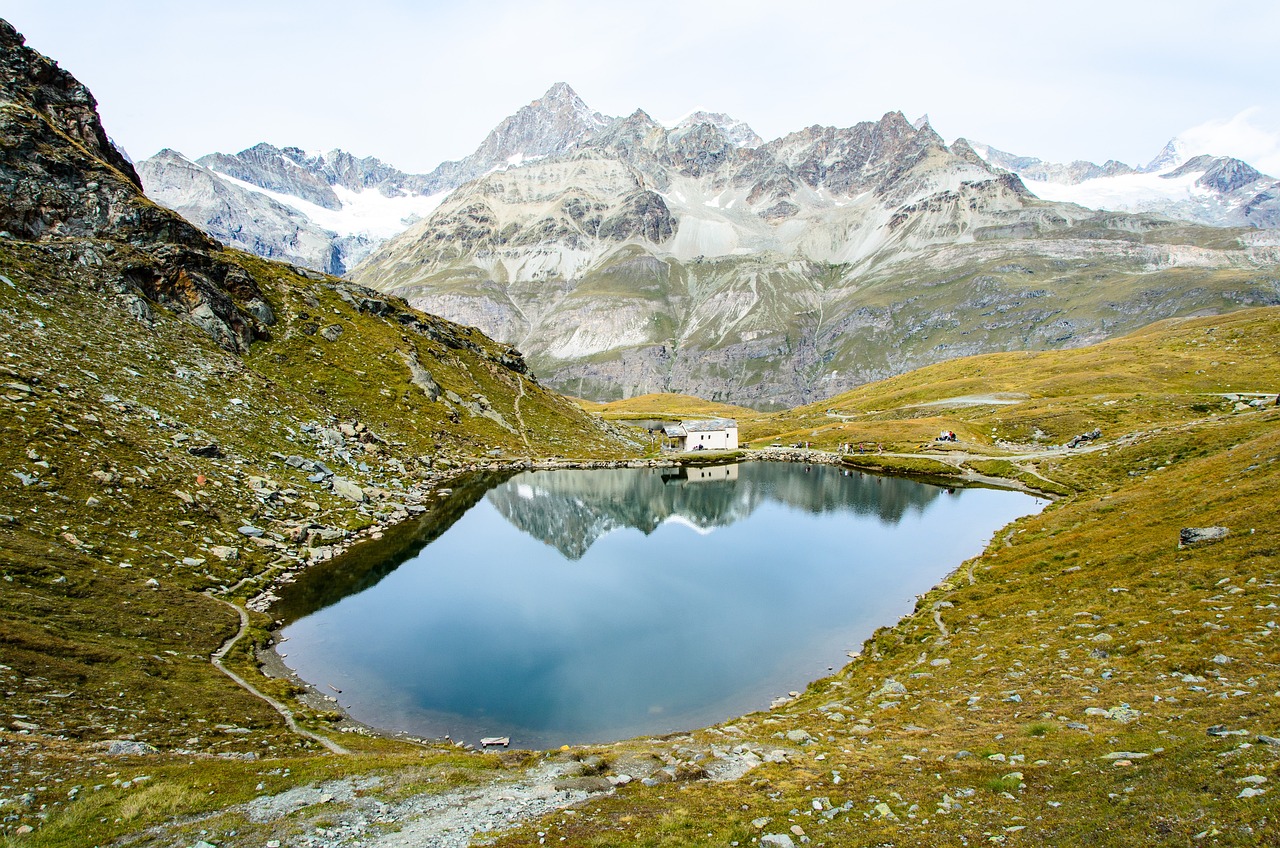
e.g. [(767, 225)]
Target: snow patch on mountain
[(1128, 191), (368, 213)]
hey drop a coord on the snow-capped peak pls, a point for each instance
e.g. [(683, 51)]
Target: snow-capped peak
[(1170, 156)]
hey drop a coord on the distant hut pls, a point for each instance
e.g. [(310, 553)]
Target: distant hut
[(712, 434)]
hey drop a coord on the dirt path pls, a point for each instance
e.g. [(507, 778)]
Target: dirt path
[(284, 711), (523, 430)]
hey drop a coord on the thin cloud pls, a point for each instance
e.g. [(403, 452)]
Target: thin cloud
[(1243, 136)]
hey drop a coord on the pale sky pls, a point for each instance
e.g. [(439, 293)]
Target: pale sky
[(415, 83)]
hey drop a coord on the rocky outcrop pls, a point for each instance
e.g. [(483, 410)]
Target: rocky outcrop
[(65, 180)]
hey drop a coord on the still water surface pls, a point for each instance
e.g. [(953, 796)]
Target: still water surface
[(588, 606)]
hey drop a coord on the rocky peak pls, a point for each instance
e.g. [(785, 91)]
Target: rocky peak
[(738, 133), (868, 155), (701, 148), (349, 171), (553, 124), (1173, 154), (961, 147), (28, 77), (637, 139), (1220, 173), (999, 158), (561, 98)]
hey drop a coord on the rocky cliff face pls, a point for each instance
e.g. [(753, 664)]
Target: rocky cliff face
[(65, 180)]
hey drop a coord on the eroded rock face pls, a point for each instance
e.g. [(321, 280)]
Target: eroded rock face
[(86, 190)]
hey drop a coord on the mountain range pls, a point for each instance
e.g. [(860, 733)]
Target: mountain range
[(1220, 191), (624, 257)]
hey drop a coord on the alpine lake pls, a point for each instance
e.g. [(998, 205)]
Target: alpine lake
[(579, 606)]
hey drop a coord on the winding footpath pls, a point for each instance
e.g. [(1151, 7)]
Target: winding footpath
[(284, 711)]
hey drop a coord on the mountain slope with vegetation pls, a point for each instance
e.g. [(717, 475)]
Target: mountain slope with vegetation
[(180, 418)]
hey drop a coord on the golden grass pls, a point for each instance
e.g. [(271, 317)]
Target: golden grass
[(664, 406)]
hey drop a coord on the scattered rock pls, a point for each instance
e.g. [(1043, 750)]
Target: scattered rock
[(129, 748), (890, 687), (209, 451), (1090, 436), (883, 811), (1221, 730), (1122, 714), (250, 531), (347, 489), (584, 784), (1198, 535), (776, 840)]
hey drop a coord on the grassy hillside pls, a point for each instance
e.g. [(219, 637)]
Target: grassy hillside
[(672, 406)]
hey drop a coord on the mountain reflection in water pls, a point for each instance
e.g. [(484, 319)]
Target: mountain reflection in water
[(570, 510), (582, 606)]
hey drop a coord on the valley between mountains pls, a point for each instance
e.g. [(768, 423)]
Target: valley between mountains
[(188, 425)]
